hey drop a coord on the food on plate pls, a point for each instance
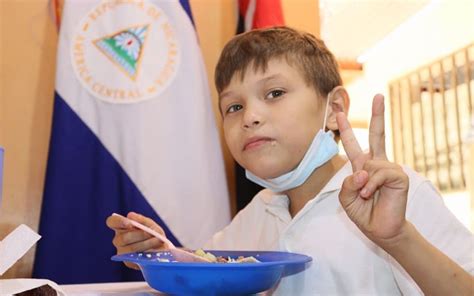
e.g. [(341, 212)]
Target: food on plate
[(207, 255), (219, 259)]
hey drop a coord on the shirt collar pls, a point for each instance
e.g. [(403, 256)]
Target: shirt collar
[(270, 198), (275, 202), (335, 183)]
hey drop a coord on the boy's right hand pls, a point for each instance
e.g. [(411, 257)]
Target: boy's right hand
[(375, 196), (129, 239)]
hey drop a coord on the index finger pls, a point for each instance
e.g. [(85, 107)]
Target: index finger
[(349, 141), (377, 128), (118, 222)]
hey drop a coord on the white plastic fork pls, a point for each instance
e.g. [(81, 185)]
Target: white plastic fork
[(179, 254)]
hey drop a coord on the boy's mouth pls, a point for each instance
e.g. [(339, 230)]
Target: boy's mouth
[(255, 142)]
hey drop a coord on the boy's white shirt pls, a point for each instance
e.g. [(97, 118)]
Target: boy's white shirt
[(345, 261)]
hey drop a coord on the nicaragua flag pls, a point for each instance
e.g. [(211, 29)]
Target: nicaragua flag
[(133, 130)]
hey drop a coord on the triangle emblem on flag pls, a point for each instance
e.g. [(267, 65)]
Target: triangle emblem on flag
[(124, 48)]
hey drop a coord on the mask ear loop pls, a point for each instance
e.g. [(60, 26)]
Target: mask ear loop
[(326, 112), (327, 104)]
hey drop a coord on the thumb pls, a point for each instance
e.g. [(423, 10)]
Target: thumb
[(351, 187)]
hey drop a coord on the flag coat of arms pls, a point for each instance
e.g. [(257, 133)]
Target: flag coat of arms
[(133, 130)]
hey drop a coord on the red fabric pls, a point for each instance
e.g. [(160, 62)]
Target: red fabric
[(243, 5), (268, 13)]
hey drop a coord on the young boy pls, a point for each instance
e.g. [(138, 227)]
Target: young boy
[(371, 227)]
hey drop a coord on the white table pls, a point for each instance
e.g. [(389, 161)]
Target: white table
[(125, 288), (122, 289)]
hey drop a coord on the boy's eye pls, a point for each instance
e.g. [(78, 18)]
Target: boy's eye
[(275, 94), (233, 108)]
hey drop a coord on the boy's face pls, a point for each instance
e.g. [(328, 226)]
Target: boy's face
[(270, 118)]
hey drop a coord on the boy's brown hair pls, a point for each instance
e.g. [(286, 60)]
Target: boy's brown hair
[(309, 54)]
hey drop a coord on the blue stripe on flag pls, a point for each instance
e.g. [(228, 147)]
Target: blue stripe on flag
[(84, 185), (187, 8)]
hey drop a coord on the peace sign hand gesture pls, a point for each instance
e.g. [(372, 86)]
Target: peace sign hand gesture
[(375, 195)]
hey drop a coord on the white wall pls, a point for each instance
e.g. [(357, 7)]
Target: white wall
[(439, 29)]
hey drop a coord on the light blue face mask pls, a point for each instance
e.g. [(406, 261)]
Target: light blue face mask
[(322, 149)]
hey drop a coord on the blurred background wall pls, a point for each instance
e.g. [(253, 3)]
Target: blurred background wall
[(28, 53)]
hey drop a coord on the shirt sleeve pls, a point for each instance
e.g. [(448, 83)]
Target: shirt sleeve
[(438, 225)]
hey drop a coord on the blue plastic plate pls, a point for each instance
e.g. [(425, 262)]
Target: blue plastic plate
[(216, 278)]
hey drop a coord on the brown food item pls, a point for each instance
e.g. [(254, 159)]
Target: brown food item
[(44, 290)]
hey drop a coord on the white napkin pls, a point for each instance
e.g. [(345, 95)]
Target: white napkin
[(14, 286), (12, 248), (15, 245)]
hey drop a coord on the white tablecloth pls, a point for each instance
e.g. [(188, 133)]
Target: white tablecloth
[(126, 288)]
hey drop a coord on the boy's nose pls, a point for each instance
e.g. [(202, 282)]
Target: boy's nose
[(252, 124), (253, 115)]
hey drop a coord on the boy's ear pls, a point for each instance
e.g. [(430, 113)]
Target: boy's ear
[(338, 102)]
